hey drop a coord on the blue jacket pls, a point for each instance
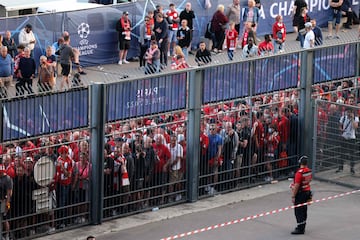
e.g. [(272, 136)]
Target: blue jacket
[(6, 66), (256, 14)]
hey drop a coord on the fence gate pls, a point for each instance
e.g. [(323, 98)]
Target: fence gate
[(336, 143)]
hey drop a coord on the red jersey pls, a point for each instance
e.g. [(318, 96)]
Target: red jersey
[(204, 142), (162, 154), (303, 177), (265, 47), (259, 133), (61, 166), (173, 16), (279, 31), (284, 129), (231, 36), (272, 144)]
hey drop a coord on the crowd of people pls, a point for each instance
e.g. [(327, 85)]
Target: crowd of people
[(145, 159), (229, 28), (18, 66)]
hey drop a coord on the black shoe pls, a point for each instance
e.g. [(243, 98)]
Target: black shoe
[(82, 73), (297, 231), (339, 170), (347, 27), (352, 171), (297, 38)]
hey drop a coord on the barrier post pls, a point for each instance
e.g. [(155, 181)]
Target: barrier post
[(97, 110), (306, 104), (195, 79)]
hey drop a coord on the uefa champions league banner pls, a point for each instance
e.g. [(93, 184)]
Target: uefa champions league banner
[(144, 97), (39, 115)]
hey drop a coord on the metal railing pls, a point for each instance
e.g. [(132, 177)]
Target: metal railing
[(186, 104)]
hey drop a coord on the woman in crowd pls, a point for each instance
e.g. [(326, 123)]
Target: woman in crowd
[(279, 34), (178, 60), (218, 26), (251, 14)]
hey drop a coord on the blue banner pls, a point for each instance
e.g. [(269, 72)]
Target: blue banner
[(143, 97), (39, 115), (334, 63), (276, 73), (226, 82)]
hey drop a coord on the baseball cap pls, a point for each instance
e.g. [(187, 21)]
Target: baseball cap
[(308, 24), (125, 13), (28, 26)]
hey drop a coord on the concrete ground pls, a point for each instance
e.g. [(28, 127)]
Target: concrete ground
[(330, 219)]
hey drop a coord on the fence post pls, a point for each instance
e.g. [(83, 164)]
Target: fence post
[(195, 79), (306, 104), (97, 110)]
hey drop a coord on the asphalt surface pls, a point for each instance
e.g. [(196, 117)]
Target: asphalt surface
[(331, 219)]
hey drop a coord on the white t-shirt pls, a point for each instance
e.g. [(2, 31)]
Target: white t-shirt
[(310, 36), (176, 151), (347, 127)]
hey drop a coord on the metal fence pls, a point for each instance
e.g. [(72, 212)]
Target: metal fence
[(336, 139), (267, 100)]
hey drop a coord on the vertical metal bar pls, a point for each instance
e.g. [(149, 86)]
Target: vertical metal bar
[(97, 106), (315, 138), (306, 111), (357, 68), (195, 79)]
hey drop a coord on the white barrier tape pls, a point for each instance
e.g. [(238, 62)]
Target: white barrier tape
[(257, 216)]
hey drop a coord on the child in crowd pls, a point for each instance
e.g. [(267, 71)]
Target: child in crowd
[(279, 34), (231, 40)]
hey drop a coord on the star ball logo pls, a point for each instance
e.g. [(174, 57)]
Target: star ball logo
[(83, 30)]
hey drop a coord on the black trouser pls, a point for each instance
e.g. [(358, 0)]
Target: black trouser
[(219, 39), (163, 46), (301, 212), (24, 84), (143, 48), (349, 16), (348, 148)]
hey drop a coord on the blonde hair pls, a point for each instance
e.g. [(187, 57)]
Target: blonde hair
[(178, 51), (220, 7)]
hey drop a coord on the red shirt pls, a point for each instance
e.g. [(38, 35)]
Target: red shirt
[(277, 29), (163, 154), (231, 36), (284, 129), (60, 173), (174, 15), (303, 177), (265, 47), (204, 142)]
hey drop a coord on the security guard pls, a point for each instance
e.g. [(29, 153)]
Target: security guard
[(301, 193)]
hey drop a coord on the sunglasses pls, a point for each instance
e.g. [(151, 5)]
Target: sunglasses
[(211, 129)]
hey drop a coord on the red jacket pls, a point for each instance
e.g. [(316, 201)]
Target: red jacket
[(218, 21), (279, 28)]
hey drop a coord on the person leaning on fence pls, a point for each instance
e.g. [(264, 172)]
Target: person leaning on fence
[(203, 55), (266, 47), (152, 57), (6, 71), (26, 71), (349, 122), (46, 75), (317, 32), (250, 49)]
